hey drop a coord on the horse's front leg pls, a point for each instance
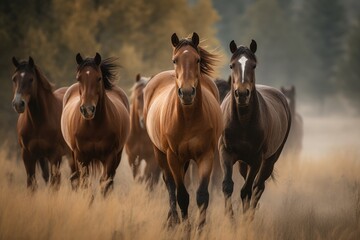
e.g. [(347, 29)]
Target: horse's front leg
[(44, 165), (227, 162), (265, 172), (205, 165), (110, 164), (246, 190), (177, 167), (29, 162), (173, 217), (55, 175), (83, 166), (75, 175)]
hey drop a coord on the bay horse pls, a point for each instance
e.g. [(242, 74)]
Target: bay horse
[(139, 146), (293, 145), (183, 118), (38, 125), (95, 119), (257, 121)]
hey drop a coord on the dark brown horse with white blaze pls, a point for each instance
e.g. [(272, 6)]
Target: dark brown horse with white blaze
[(184, 122), (293, 145), (139, 146), (257, 121), (38, 125), (95, 119)]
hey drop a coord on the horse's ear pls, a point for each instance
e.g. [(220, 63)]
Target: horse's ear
[(174, 40), (138, 77), (15, 62), (31, 62), (233, 46), (195, 39), (79, 59), (97, 59), (253, 46)]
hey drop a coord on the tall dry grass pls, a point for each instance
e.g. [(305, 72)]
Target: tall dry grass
[(318, 198)]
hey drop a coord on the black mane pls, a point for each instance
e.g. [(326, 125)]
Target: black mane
[(107, 67)]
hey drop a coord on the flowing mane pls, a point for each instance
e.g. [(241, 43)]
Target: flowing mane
[(207, 59), (108, 70)]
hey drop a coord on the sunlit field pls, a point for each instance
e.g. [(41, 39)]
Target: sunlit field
[(314, 197)]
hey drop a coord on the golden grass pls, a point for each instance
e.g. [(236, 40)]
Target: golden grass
[(319, 198), (316, 198)]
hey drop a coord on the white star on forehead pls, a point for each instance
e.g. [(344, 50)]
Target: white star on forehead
[(242, 62), (186, 51), (87, 72), (22, 74)]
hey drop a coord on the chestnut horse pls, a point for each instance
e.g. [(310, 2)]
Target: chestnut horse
[(183, 119), (38, 125), (293, 145), (257, 121), (95, 119), (139, 146)]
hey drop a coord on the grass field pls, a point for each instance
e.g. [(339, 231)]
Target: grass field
[(317, 198)]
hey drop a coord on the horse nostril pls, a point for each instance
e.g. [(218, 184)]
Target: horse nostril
[(180, 93), (247, 92), (82, 109), (92, 109), (236, 92), (22, 104), (193, 91)]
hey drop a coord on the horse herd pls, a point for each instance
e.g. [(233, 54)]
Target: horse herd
[(177, 116)]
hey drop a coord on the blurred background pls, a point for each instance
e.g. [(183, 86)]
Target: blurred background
[(311, 44)]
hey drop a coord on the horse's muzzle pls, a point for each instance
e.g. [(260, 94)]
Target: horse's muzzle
[(242, 97), (19, 105), (88, 112), (187, 96)]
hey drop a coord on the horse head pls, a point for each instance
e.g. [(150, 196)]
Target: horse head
[(24, 83), (242, 64), (186, 59), (91, 86)]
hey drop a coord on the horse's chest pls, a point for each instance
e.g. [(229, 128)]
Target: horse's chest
[(242, 143), (96, 144), (39, 142)]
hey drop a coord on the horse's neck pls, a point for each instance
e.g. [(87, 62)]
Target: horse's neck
[(41, 105), (246, 115)]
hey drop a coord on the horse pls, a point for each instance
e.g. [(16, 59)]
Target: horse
[(139, 146), (257, 121), (293, 145), (183, 119), (223, 87), (95, 119), (38, 125)]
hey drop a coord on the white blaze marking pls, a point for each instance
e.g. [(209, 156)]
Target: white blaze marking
[(242, 62), (87, 72), (185, 51), (22, 74)]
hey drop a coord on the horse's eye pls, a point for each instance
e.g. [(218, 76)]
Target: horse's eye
[(174, 61), (99, 79), (198, 61), (231, 66)]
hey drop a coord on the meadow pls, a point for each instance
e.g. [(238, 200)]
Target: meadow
[(314, 197)]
